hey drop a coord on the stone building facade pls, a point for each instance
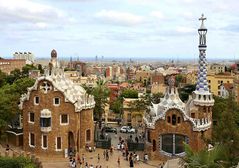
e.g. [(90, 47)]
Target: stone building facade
[(57, 114), (171, 123), (8, 65), (132, 116)]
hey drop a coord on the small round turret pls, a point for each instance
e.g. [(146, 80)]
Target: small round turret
[(53, 53)]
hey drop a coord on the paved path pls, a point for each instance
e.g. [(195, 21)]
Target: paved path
[(91, 158)]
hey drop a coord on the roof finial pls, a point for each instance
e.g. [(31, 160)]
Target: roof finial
[(202, 18)]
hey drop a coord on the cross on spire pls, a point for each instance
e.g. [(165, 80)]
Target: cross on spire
[(202, 18)]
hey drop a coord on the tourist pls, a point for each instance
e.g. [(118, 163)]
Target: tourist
[(98, 157), (94, 148), (78, 158), (146, 157), (136, 139), (137, 158), (90, 149), (7, 148), (81, 165), (87, 147), (83, 158), (107, 155), (104, 153), (111, 150), (118, 147), (91, 166), (73, 163), (131, 163), (118, 161)]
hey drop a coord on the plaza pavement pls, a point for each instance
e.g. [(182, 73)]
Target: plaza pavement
[(91, 158)]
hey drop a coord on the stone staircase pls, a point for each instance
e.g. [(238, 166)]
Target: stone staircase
[(174, 163)]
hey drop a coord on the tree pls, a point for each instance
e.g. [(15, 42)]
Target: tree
[(26, 69), (178, 79), (155, 98), (101, 94), (39, 67), (117, 106), (10, 96), (17, 162), (88, 89), (226, 131), (129, 93), (14, 75), (213, 158), (186, 91), (2, 78)]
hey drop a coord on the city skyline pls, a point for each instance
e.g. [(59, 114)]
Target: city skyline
[(118, 29)]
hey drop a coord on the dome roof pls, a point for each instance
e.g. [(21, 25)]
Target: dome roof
[(53, 53)]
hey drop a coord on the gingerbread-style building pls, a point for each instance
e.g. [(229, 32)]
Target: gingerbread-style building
[(173, 122), (57, 114)]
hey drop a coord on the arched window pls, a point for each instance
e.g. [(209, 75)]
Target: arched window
[(169, 119), (149, 139), (88, 137), (174, 119), (154, 145)]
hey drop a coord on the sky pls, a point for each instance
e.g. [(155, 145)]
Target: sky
[(118, 28)]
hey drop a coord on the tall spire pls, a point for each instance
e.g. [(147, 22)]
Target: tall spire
[(202, 84), (202, 95)]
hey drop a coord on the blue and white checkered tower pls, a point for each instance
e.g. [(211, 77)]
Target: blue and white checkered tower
[(202, 96)]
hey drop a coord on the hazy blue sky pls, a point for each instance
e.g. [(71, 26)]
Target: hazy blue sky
[(118, 28)]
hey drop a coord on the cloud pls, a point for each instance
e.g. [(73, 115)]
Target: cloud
[(13, 11), (185, 30), (119, 18), (157, 14)]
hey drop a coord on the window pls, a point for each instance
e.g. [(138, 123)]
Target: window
[(45, 122), (31, 117), (58, 143), (174, 119), (64, 119), (88, 135), (209, 81), (32, 140), (44, 141), (56, 101), (169, 119), (148, 136), (36, 100), (193, 115)]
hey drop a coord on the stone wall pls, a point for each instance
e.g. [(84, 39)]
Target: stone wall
[(57, 130)]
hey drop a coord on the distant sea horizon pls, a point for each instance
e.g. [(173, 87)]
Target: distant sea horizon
[(134, 59)]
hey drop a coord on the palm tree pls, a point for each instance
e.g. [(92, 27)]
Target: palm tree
[(214, 158), (88, 90), (101, 94)]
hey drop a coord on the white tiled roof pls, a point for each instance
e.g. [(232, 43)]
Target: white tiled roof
[(73, 93)]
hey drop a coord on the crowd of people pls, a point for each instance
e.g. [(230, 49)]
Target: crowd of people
[(122, 151)]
